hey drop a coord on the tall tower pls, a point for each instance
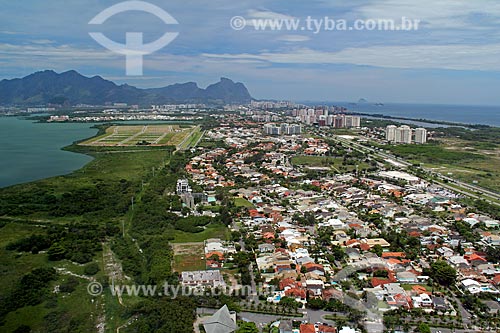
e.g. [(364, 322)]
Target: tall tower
[(390, 133), (420, 135)]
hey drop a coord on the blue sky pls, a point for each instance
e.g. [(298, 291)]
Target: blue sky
[(454, 57)]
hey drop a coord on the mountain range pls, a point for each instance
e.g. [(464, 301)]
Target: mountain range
[(49, 87)]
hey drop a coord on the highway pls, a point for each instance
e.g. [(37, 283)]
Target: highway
[(466, 189)]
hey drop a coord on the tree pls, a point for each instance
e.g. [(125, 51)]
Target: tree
[(246, 327), (423, 328), (289, 303), (91, 269), (56, 252), (377, 249), (22, 329), (443, 273), (316, 303), (70, 285), (214, 257)]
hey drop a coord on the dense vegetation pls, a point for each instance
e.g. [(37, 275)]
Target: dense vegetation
[(163, 315), (30, 290), (103, 199), (75, 242), (432, 153), (60, 221), (483, 134)]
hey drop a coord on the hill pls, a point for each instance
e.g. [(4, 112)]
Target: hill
[(71, 87)]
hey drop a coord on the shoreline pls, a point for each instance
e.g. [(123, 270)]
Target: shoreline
[(422, 120)]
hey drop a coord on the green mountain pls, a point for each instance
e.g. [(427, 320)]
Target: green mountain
[(73, 88)]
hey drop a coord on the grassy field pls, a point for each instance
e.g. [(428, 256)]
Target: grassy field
[(335, 163), (470, 162), (241, 202), (192, 139), (107, 171), (483, 173), (14, 265), (134, 135), (313, 161), (188, 257), (211, 231)]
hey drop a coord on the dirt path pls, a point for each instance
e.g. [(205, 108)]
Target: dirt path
[(112, 267)]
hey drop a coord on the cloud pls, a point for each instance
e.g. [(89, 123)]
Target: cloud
[(7, 32), (42, 41), (254, 15), (443, 14), (293, 38), (267, 14), (450, 57), (53, 51)]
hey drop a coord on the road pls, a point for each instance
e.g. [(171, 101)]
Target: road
[(466, 188), (254, 296)]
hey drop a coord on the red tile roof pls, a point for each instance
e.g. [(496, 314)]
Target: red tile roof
[(326, 329), (364, 246), (296, 292), (307, 328), (393, 255), (379, 282)]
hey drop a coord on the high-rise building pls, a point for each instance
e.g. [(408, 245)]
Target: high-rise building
[(403, 134), (390, 133), (282, 129), (356, 121), (338, 121), (420, 135)]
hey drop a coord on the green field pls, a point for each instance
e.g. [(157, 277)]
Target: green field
[(459, 159), (241, 202), (211, 231), (133, 135), (188, 257), (313, 161), (191, 140), (98, 197), (335, 163)]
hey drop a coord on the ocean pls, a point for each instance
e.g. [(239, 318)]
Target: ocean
[(483, 115)]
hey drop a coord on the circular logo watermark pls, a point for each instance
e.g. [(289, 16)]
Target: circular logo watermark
[(238, 23), (134, 48), (94, 288)]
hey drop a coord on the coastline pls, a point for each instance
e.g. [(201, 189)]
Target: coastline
[(421, 120)]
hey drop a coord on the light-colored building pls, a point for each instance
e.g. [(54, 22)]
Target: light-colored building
[(420, 135), (403, 134), (390, 133), (183, 186), (282, 129), (202, 279)]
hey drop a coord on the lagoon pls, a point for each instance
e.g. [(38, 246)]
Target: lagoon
[(30, 151)]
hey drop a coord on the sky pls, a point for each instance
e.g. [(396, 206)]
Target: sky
[(453, 57)]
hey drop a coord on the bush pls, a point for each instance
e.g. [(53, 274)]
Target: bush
[(91, 269), (70, 285), (22, 329)]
